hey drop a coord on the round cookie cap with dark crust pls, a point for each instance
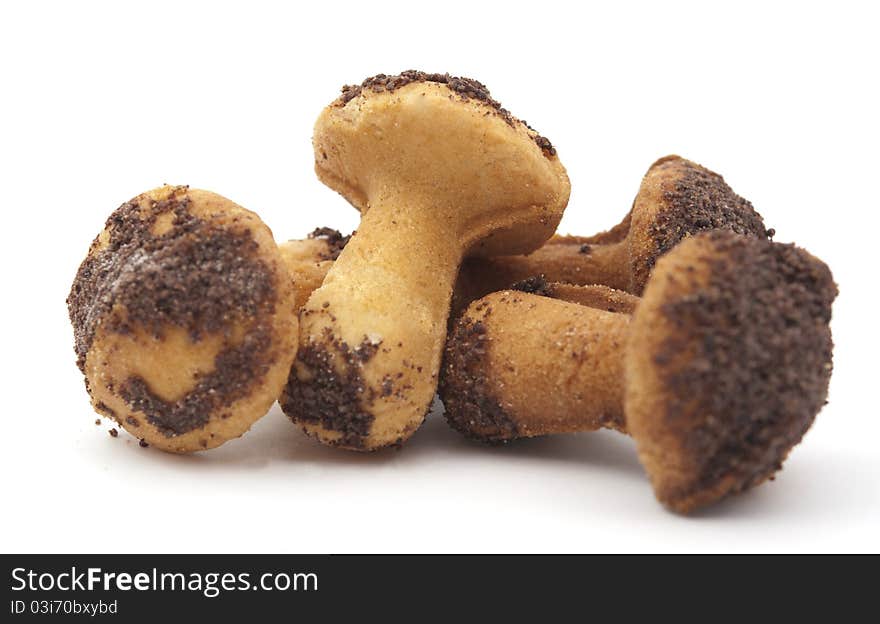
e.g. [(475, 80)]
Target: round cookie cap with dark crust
[(188, 262), (679, 198), (729, 363), (194, 275), (699, 199)]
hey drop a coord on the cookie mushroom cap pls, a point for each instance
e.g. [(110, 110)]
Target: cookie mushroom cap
[(443, 144), (677, 199), (729, 360), (184, 319), (439, 171)]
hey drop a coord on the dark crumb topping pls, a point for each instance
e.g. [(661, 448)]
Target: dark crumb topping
[(106, 410), (760, 335), (114, 433), (468, 88), (545, 145), (196, 275), (536, 285), (336, 242), (470, 407), (465, 88), (332, 399), (235, 369), (700, 200), (585, 249)]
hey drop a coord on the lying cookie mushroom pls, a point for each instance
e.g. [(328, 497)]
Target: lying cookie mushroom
[(439, 171), (310, 259), (184, 319), (677, 198), (717, 375)]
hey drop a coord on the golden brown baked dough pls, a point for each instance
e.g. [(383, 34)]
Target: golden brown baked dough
[(184, 319), (677, 198), (717, 375), (522, 365), (592, 295), (309, 260), (439, 171)]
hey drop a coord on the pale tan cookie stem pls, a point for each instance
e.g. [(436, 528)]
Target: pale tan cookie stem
[(595, 296), (547, 366), (410, 262), (571, 263)]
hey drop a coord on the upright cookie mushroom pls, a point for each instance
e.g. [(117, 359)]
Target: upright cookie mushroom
[(184, 319), (717, 375), (439, 171)]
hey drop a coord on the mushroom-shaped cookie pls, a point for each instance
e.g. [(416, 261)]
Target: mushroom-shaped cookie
[(184, 319), (308, 260), (677, 198), (717, 375), (439, 171)]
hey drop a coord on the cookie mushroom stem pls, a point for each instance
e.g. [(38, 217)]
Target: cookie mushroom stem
[(439, 171), (563, 259), (525, 364), (594, 296), (717, 375)]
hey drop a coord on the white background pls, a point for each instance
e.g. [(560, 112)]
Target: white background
[(101, 101)]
